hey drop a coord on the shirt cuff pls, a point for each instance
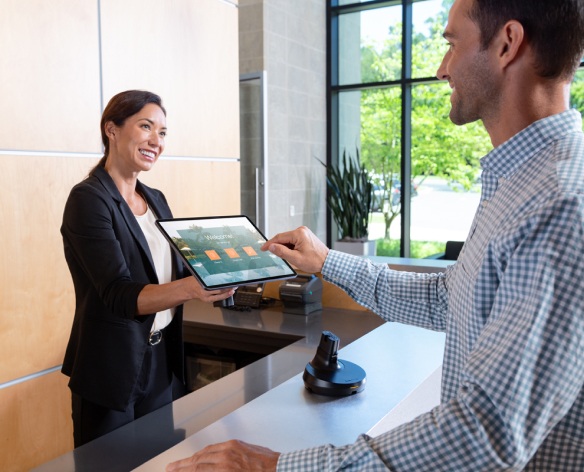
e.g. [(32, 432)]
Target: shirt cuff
[(297, 461), (337, 266)]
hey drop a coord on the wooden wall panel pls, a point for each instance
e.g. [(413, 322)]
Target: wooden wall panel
[(49, 85), (187, 52), (35, 422), (197, 188), (35, 285), (55, 72)]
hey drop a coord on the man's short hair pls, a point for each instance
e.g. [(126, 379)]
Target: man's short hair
[(554, 28)]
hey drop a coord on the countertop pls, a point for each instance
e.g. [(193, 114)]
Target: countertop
[(294, 336), (397, 360)]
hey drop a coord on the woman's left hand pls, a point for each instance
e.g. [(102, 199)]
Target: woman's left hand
[(197, 290), (154, 298)]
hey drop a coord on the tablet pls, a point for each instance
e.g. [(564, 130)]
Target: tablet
[(224, 251)]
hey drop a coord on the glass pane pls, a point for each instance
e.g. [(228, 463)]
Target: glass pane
[(348, 2), (370, 120), (349, 121), (370, 46), (428, 45), (577, 92), (445, 171)]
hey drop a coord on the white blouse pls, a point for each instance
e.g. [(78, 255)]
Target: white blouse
[(162, 257)]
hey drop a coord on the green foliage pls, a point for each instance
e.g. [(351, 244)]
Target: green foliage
[(376, 65), (381, 143), (438, 148), (418, 249), (577, 92), (350, 196)]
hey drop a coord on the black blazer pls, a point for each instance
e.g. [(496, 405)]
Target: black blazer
[(110, 263)]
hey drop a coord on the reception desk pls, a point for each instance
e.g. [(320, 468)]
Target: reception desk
[(265, 402)]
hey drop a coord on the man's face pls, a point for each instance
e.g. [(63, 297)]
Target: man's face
[(467, 68)]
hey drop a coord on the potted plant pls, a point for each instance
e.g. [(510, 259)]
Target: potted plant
[(350, 201)]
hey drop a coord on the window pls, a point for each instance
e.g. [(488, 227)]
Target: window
[(577, 91), (363, 37), (385, 100)]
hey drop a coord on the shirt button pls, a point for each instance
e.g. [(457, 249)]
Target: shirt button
[(485, 203)]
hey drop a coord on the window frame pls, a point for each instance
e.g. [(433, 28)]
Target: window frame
[(405, 83)]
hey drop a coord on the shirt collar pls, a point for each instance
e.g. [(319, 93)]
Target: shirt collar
[(504, 160)]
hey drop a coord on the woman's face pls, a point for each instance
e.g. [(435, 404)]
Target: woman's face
[(136, 145)]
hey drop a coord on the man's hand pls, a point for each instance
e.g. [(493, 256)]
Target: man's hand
[(300, 247), (228, 456)]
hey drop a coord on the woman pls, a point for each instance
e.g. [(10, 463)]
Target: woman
[(125, 348)]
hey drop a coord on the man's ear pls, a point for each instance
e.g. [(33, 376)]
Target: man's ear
[(110, 129), (509, 43)]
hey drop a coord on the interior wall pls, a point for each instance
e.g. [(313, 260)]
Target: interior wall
[(288, 41), (61, 61)]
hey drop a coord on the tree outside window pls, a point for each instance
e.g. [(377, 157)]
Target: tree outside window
[(444, 158)]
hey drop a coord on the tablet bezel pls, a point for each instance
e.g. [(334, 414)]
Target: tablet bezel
[(185, 261)]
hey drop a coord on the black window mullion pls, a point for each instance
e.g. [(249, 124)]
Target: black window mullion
[(406, 128), (332, 126), (405, 83)]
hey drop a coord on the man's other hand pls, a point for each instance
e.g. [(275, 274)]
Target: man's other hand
[(228, 456)]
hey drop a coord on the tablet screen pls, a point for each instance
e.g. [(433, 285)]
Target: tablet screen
[(224, 251)]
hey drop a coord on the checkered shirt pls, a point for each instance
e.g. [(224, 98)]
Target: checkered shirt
[(512, 308)]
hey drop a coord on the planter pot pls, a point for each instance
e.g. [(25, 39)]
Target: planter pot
[(357, 248)]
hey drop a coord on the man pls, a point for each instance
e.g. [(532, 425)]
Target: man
[(512, 305)]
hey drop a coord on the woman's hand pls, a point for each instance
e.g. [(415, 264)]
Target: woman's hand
[(154, 298), (196, 290)]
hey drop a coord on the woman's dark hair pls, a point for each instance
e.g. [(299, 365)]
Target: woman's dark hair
[(555, 29), (120, 108)]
